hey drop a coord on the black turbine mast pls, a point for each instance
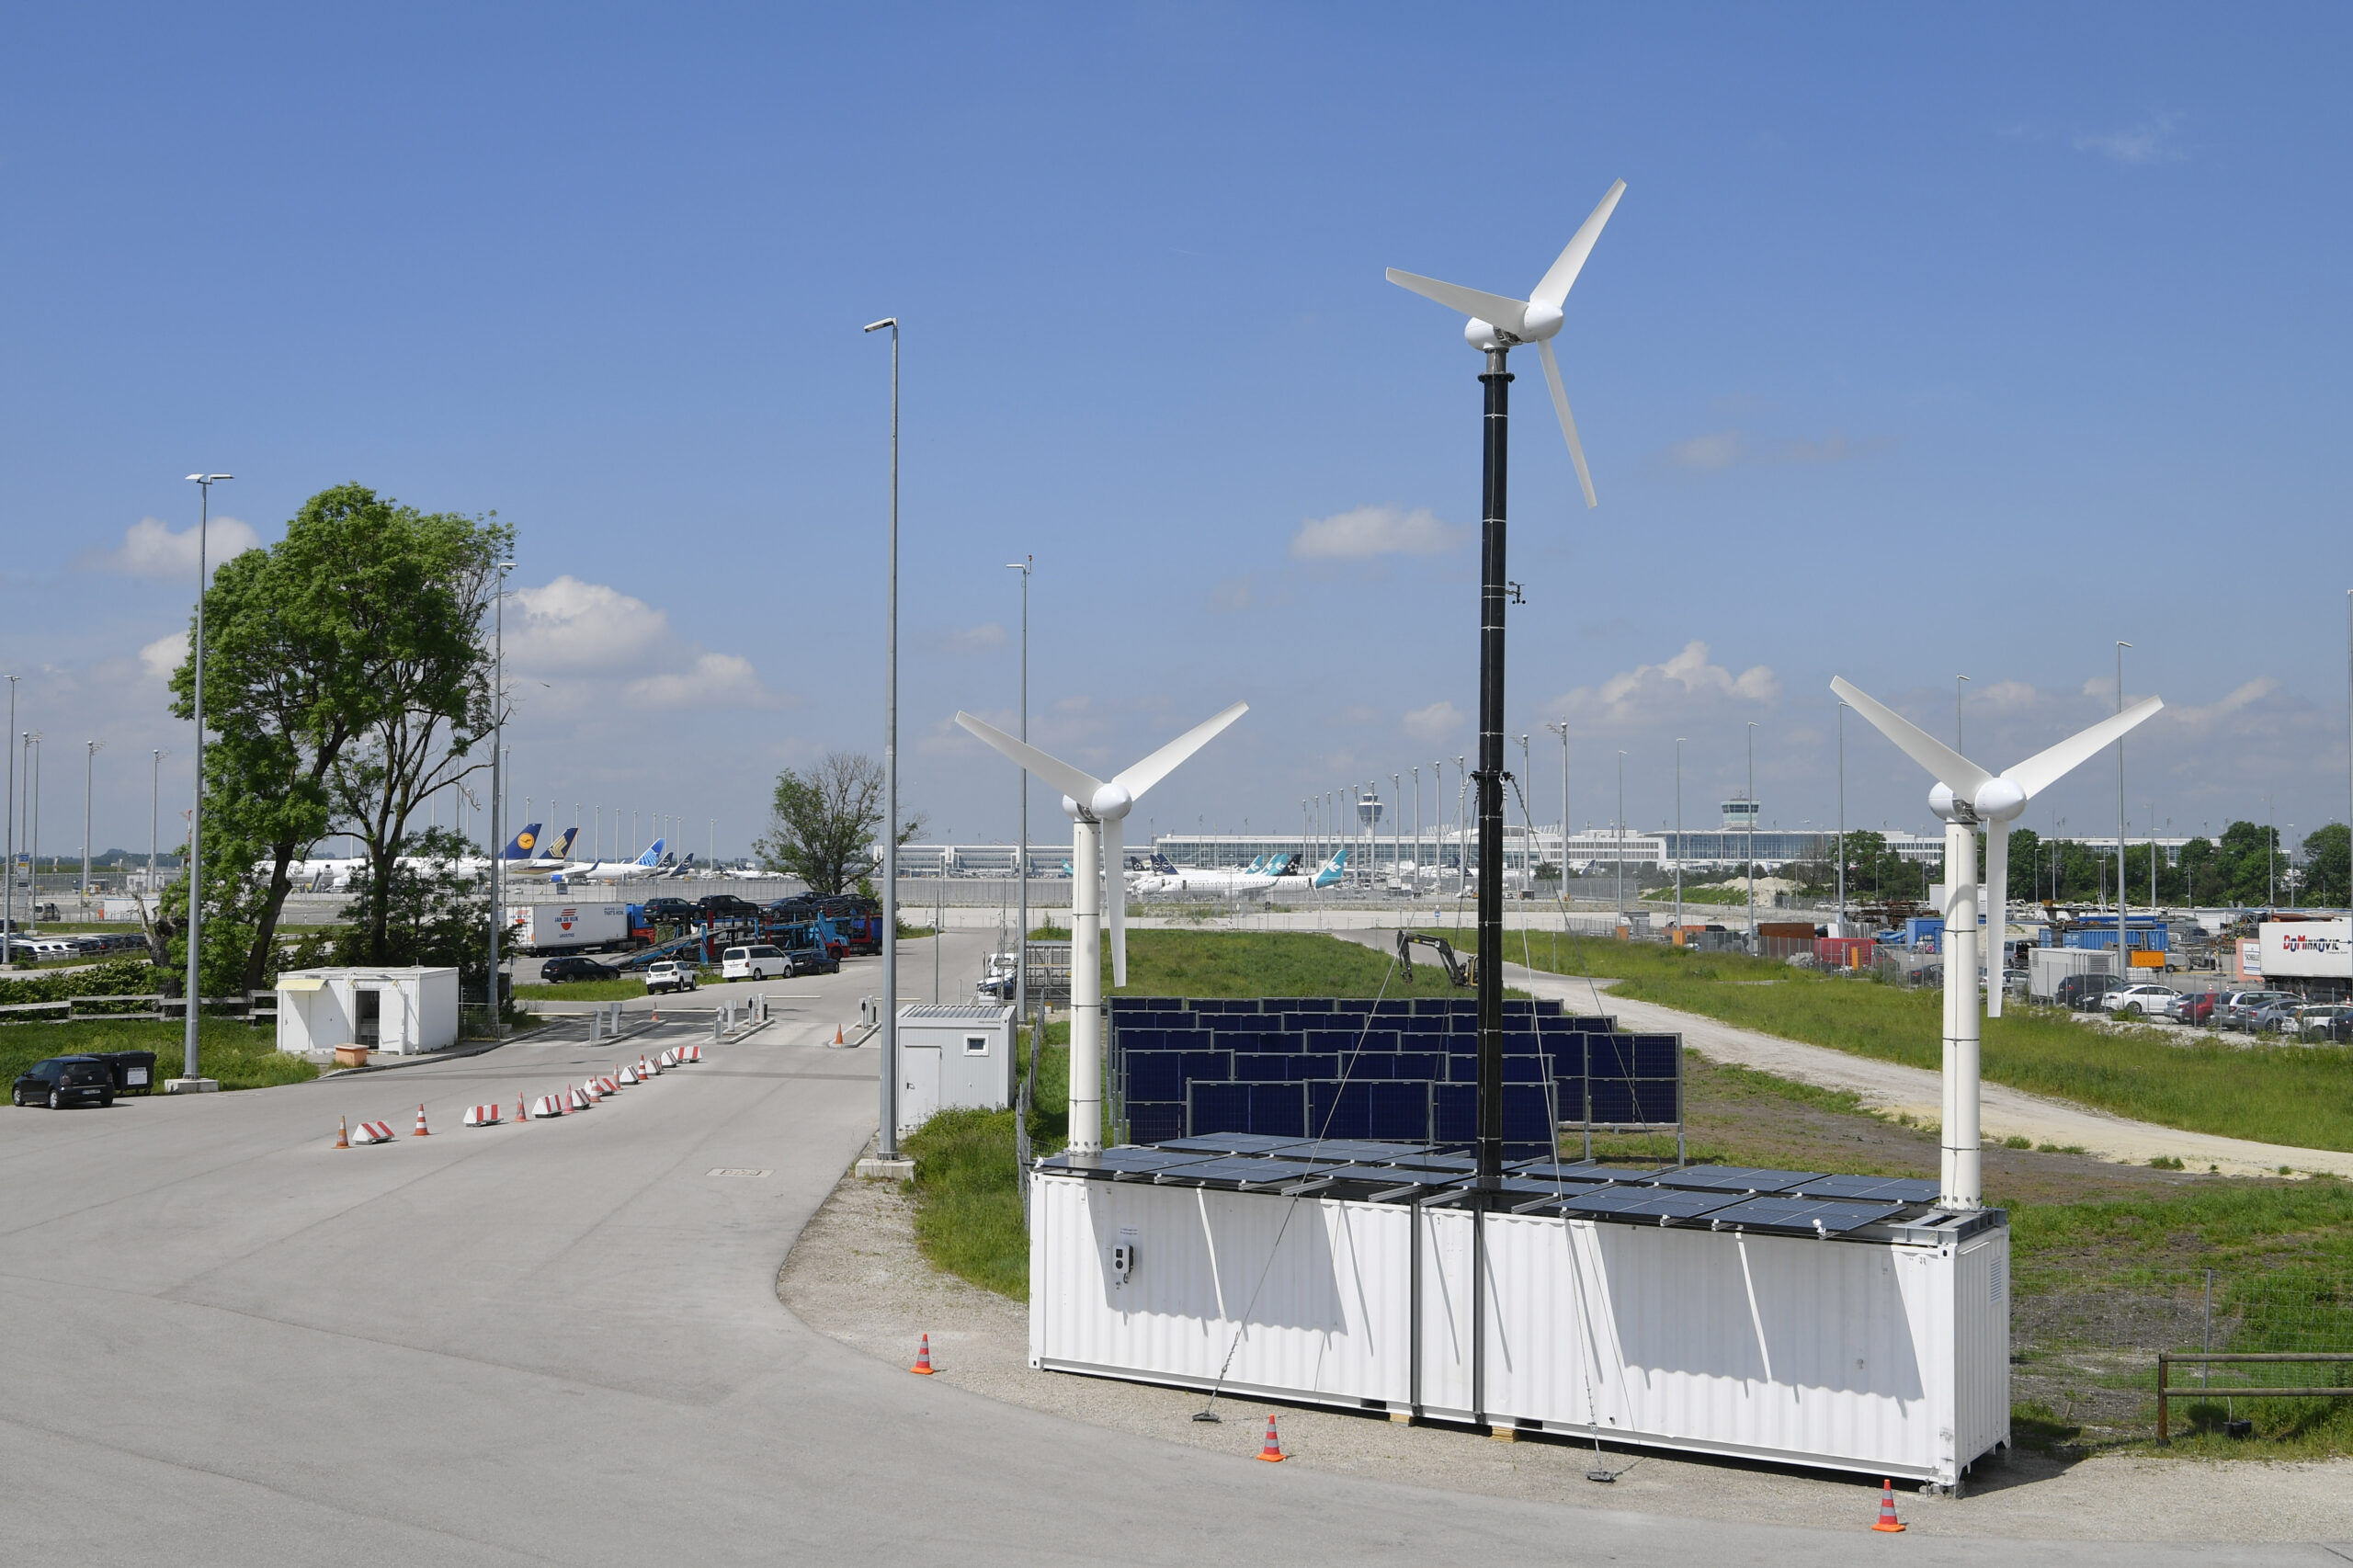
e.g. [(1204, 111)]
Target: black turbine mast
[(1495, 464)]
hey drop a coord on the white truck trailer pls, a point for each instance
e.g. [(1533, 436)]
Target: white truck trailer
[(566, 927)]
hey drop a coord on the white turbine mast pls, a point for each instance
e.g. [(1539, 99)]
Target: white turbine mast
[(1967, 797), (1498, 321), (1098, 810)]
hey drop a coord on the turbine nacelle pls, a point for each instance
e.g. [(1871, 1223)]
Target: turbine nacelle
[(1482, 336), (1999, 800), (1111, 802)]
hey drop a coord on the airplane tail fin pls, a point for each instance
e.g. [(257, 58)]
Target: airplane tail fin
[(562, 850), (652, 856), (524, 844)]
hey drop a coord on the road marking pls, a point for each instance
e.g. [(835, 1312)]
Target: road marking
[(732, 1171)]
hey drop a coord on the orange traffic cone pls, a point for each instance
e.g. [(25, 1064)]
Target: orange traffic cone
[(343, 1132), (1887, 1520), (522, 1111), (421, 1132), (837, 1036), (1273, 1452), (922, 1368)]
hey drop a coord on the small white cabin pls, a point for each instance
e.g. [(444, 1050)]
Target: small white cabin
[(953, 1055), (402, 1011)]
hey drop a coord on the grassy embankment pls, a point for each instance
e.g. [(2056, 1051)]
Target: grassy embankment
[(238, 1055), (2296, 1095), (626, 989)]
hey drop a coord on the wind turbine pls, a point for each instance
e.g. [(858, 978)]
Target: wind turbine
[(1097, 811), (1498, 320), (1497, 326), (1967, 797)]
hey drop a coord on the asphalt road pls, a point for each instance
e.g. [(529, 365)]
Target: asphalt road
[(221, 1341)]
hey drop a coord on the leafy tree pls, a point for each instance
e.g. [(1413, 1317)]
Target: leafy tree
[(2250, 861), (822, 823), (2326, 867), (316, 648)]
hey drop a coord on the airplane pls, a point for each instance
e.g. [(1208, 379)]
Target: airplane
[(1267, 874), (532, 865), (650, 864), (340, 873)]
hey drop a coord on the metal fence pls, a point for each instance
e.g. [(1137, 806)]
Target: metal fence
[(2087, 1360)]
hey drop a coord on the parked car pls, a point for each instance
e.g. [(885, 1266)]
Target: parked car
[(2194, 1007), (811, 958), (2281, 1017), (571, 966), (2322, 1021), (63, 1081), (726, 906), (758, 961), (669, 911), (2133, 1001), (668, 975), (2082, 992), (2237, 1010)]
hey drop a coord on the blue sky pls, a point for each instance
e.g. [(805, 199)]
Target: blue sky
[(1921, 345)]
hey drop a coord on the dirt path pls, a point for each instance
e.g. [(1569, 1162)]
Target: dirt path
[(854, 1275)]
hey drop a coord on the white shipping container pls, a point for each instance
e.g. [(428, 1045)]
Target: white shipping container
[(1882, 1357), (2046, 966), (2310, 949), (566, 927)]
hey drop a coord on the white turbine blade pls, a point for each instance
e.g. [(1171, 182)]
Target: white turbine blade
[(1078, 786), (1949, 768), (1135, 780), (2045, 769), (1563, 275), (1996, 898), (1114, 896), (1506, 315), (1568, 422)]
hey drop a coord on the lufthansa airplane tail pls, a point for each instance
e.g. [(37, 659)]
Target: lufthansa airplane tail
[(524, 844)]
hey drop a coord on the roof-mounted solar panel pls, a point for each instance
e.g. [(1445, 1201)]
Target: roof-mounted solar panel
[(1659, 1205), (1871, 1190), (1804, 1216), (1732, 1178)]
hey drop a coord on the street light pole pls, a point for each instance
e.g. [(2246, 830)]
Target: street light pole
[(1561, 728), (8, 897), (1842, 819), (1022, 864), (189, 1081), (497, 793), (1681, 849), (887, 1134), (2124, 894), (1622, 839), (1751, 815), (1957, 682), (154, 802), (90, 766)]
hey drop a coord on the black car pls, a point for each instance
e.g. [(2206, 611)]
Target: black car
[(812, 960), (2082, 992), (727, 906), (669, 911), (555, 971), (63, 1081)]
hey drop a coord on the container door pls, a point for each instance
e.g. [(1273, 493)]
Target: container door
[(368, 1003)]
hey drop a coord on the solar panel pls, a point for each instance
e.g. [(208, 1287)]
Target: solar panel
[(1230, 1143), (1128, 1160), (1360, 1150), (1802, 1215), (1732, 1178), (1583, 1171), (1243, 1171), (1663, 1205), (1871, 1190)]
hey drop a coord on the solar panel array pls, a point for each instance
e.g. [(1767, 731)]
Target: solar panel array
[(1289, 1067), (1806, 1203)]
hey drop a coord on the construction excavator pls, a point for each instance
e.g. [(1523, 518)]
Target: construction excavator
[(1456, 971)]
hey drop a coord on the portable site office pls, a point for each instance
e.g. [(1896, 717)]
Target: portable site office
[(1840, 1322), (401, 1011)]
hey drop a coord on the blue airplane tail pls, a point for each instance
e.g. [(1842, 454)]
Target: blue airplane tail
[(652, 856), (524, 844), (1333, 869), (562, 850)]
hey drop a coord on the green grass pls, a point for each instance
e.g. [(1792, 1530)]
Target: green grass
[(2294, 1095), (968, 1202), (236, 1054), (1268, 963), (583, 991)]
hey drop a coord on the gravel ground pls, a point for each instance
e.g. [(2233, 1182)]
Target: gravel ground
[(854, 1275)]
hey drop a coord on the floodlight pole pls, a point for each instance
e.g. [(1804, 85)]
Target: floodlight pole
[(8, 898), (2123, 894), (189, 1080), (1842, 819), (1495, 454), (1681, 849), (497, 793), (1021, 863), (888, 1146)]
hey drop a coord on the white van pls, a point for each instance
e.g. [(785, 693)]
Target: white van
[(761, 962)]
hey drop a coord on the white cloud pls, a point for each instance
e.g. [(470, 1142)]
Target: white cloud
[(570, 625), (164, 655), (2146, 142), (1707, 454), (2255, 693), (1440, 720), (1374, 531), (975, 640), (715, 680), (150, 548), (1687, 683)]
